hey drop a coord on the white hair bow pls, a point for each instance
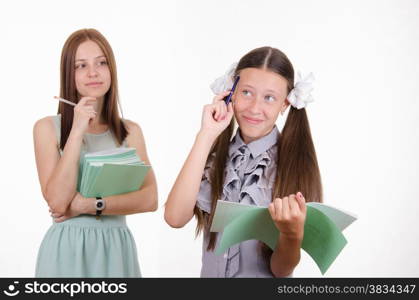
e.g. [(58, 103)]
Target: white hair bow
[(300, 95), (225, 82)]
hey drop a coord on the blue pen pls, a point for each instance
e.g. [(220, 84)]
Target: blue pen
[(228, 98)]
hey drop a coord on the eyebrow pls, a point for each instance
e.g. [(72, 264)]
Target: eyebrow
[(83, 59), (269, 90)]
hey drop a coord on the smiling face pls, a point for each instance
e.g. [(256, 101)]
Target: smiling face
[(92, 74), (259, 98)]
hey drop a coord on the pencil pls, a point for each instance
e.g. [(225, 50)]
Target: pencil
[(65, 101)]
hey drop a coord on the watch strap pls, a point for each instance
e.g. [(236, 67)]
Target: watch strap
[(98, 212)]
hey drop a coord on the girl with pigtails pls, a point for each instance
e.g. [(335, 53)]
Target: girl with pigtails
[(256, 165)]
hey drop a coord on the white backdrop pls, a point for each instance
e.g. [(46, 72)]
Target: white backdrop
[(364, 55)]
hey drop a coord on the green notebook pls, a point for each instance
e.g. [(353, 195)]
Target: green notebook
[(111, 172), (323, 238)]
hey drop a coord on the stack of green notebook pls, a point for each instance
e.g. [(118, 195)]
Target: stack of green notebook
[(111, 172), (323, 238)]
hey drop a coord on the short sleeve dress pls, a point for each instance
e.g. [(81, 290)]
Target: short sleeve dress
[(249, 179), (84, 246)]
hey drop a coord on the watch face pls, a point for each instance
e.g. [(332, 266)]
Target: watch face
[(100, 204)]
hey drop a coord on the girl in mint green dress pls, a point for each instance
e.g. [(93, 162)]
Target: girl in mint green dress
[(89, 237)]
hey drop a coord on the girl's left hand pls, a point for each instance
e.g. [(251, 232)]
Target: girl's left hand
[(289, 215), (79, 205)]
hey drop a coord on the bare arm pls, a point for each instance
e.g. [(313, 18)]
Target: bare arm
[(143, 200), (182, 198), (289, 216), (286, 256), (58, 175)]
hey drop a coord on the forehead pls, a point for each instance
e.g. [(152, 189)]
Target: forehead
[(263, 79), (88, 49)]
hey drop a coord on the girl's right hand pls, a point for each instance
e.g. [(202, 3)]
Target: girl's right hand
[(217, 116), (83, 112)]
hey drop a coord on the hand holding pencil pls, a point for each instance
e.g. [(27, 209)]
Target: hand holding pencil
[(84, 112)]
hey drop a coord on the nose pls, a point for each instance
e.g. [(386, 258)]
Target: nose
[(92, 72), (255, 106)]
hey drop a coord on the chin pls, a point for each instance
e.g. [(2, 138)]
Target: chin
[(95, 94), (253, 133)]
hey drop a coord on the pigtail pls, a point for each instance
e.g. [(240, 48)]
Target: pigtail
[(297, 167)]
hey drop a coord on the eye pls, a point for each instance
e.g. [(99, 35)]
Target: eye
[(103, 63), (80, 66), (270, 98), (246, 93)]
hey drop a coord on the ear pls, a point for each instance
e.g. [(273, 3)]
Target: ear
[(284, 105)]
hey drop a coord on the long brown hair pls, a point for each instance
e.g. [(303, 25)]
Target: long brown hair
[(297, 167), (68, 88)]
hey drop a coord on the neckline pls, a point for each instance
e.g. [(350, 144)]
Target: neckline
[(91, 134), (97, 134), (257, 146)]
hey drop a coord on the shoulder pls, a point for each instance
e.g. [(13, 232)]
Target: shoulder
[(132, 127), (135, 138), (45, 131), (135, 133), (44, 125)]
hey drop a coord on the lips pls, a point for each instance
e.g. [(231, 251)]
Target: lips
[(93, 84), (252, 120)]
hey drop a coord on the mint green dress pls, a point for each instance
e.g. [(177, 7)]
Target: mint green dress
[(83, 246)]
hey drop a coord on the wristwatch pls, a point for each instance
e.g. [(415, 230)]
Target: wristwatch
[(99, 205)]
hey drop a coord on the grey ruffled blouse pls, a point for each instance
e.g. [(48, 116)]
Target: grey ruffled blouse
[(249, 179)]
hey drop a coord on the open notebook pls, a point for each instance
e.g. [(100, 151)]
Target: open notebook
[(111, 172), (323, 239)]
